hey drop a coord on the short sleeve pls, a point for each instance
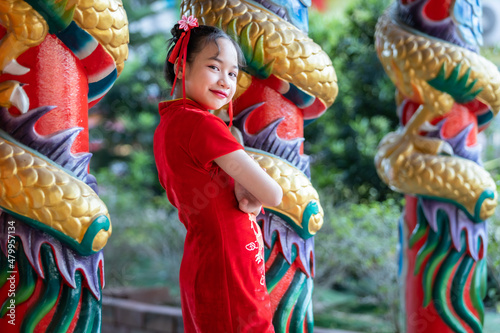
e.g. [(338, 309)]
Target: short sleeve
[(211, 139)]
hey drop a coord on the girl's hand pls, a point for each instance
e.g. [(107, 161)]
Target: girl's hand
[(247, 202)]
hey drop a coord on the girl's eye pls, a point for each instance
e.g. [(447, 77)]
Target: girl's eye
[(213, 67), (233, 74)]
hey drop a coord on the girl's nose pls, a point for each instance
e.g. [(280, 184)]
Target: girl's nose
[(223, 83)]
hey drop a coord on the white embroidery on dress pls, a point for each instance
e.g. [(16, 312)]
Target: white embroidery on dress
[(259, 246), (251, 246)]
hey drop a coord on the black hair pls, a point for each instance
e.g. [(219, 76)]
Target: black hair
[(200, 37)]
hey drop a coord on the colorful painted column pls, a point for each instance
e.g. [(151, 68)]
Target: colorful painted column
[(446, 94), (57, 59), (289, 82)]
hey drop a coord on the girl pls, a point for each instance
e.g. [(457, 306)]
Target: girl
[(216, 187)]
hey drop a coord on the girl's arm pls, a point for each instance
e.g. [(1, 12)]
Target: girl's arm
[(250, 175)]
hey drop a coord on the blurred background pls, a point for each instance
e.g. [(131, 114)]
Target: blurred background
[(356, 250)]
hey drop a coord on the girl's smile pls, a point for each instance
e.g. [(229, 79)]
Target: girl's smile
[(219, 93)]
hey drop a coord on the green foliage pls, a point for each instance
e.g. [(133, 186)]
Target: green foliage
[(343, 141), (147, 242), (356, 254)]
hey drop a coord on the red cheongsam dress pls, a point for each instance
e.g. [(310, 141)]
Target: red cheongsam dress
[(222, 276)]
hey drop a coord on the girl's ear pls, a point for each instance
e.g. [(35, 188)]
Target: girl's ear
[(176, 64)]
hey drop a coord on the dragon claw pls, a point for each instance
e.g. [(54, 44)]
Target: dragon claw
[(396, 144), (431, 146), (14, 68)]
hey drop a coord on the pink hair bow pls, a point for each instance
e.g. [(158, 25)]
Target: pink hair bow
[(187, 23)]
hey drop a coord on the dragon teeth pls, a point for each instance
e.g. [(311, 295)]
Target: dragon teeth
[(446, 149), (428, 127), (20, 99)]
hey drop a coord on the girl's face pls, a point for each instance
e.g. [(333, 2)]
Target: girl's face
[(211, 77)]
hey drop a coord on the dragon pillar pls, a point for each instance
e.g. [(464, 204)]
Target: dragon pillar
[(57, 59), (446, 94), (289, 82)]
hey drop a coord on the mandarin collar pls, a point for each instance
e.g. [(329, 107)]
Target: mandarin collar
[(165, 105)]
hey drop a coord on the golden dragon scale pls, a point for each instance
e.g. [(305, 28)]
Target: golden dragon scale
[(48, 197)]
